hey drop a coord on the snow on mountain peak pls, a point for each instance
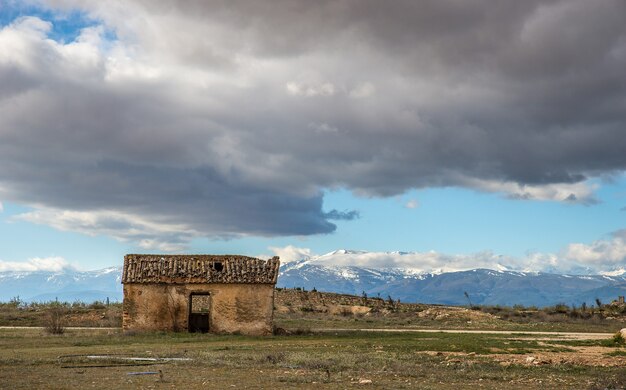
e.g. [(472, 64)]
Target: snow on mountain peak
[(340, 252), (617, 272), (500, 267)]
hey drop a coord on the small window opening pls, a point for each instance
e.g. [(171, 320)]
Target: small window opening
[(218, 266)]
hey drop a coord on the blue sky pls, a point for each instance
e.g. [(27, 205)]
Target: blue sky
[(66, 25), (261, 130), (448, 220)]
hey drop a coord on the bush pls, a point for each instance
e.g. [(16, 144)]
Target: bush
[(16, 302), (275, 358), (559, 308), (55, 320), (97, 305), (301, 331), (619, 339)]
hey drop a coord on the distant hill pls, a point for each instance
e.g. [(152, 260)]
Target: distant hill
[(484, 286), (68, 285)]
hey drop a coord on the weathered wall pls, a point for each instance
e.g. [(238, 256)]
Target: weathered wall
[(235, 308)]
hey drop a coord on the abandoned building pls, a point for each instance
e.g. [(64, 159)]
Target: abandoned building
[(199, 293)]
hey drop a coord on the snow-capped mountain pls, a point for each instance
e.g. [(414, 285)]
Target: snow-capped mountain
[(615, 272), (67, 285), (408, 262), (355, 272), (496, 286), (484, 286)]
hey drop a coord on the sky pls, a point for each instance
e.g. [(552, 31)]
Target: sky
[(466, 132)]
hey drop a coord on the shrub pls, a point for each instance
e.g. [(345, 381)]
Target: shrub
[(275, 358), (55, 319), (97, 305), (559, 308), (301, 331), (574, 313), (15, 302), (278, 331), (619, 339)]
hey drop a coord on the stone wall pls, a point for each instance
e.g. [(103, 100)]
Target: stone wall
[(235, 308)]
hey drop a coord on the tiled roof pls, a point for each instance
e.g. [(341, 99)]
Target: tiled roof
[(199, 269)]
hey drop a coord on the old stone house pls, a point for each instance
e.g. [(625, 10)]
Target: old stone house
[(199, 293)]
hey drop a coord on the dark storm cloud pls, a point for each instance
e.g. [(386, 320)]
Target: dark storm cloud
[(232, 117), (337, 215)]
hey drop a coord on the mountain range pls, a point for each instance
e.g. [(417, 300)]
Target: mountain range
[(67, 285), (331, 273)]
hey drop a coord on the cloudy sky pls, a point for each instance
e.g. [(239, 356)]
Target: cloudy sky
[(464, 131)]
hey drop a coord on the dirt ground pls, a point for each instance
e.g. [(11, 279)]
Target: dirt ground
[(108, 358), (583, 356)]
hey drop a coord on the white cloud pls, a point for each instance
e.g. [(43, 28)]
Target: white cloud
[(581, 192), (599, 257), (290, 253), (149, 234), (53, 264), (161, 246), (544, 262), (600, 253), (18, 40), (363, 91), (412, 204), (415, 261), (84, 126), (1, 207), (322, 128), (310, 90)]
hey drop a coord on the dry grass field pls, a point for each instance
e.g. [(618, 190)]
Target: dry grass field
[(107, 359), (318, 347)]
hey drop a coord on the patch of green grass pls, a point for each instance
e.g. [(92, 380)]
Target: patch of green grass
[(581, 343)]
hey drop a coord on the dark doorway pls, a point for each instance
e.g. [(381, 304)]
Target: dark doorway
[(199, 310)]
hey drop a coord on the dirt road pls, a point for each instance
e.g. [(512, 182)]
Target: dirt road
[(560, 335)]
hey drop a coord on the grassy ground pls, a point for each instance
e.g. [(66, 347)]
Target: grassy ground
[(33, 359)]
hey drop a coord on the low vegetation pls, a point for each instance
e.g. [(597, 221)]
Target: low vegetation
[(296, 308), (56, 315), (299, 309), (319, 342), (31, 358)]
